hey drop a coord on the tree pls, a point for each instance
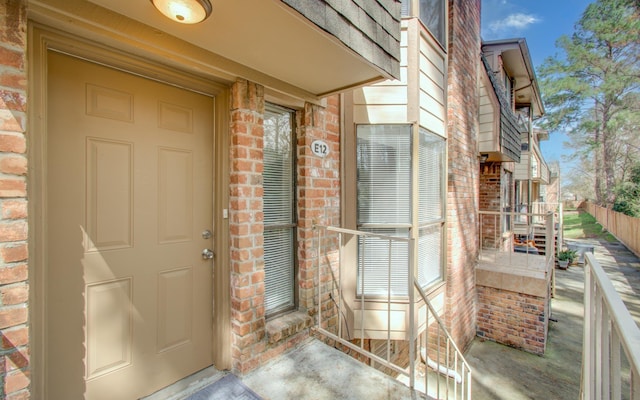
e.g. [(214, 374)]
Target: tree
[(592, 91), (628, 193)]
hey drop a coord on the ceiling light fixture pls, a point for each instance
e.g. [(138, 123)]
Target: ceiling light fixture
[(184, 11)]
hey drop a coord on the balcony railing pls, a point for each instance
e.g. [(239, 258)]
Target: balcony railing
[(447, 375), (611, 345), (534, 234)]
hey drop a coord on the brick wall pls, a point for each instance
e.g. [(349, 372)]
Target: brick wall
[(514, 319), (14, 289), (462, 201), (318, 194), (246, 226), (254, 339)]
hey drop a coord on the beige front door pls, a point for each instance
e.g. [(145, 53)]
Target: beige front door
[(128, 294)]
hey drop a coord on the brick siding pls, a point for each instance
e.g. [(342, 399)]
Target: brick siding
[(14, 288), (515, 319), (462, 200), (254, 339)]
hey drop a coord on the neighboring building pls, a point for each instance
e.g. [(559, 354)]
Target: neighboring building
[(166, 165), (512, 168), (513, 276)]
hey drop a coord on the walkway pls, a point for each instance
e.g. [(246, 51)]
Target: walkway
[(501, 372)]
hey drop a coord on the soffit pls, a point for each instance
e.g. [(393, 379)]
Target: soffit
[(264, 36), (517, 62)]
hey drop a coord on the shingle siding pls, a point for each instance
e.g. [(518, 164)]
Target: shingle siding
[(509, 127), (370, 28)]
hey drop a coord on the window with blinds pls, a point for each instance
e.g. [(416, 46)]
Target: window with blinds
[(279, 210), (384, 206), (431, 201)]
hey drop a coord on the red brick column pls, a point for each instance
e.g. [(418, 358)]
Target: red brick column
[(246, 226), (462, 201), (318, 192), (14, 288)]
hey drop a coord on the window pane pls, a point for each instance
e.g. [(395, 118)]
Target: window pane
[(278, 168), (384, 174), (278, 264), (378, 256), (433, 17), (431, 177), (430, 255), (279, 202)]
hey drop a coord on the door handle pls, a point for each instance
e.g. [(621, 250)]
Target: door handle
[(207, 254)]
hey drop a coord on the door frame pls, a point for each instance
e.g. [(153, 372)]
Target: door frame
[(44, 39)]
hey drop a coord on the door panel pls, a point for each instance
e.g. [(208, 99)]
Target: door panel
[(129, 192)]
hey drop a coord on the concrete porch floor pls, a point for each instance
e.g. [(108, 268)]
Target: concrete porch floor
[(316, 371)]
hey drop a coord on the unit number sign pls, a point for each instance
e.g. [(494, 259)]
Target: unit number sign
[(320, 148)]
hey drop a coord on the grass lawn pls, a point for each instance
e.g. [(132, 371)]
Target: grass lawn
[(581, 225)]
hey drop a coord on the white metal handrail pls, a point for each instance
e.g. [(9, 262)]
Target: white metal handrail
[(440, 352), (498, 239), (608, 329)]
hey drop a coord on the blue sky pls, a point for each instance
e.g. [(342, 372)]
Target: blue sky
[(541, 23)]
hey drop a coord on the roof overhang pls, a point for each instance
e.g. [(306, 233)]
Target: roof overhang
[(517, 62), (264, 41)]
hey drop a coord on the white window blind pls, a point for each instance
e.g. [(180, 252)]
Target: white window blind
[(384, 174), (385, 204), (383, 264), (431, 177), (279, 211), (430, 255)]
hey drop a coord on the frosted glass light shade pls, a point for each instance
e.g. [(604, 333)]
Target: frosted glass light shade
[(184, 11)]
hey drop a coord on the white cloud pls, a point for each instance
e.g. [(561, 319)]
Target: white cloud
[(517, 21)]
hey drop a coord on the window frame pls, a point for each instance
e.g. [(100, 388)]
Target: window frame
[(292, 224)]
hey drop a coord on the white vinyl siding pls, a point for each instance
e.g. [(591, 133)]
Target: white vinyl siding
[(489, 116), (279, 211), (432, 83)]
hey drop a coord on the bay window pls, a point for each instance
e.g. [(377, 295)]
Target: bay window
[(400, 192)]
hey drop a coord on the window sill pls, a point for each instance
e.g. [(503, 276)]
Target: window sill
[(287, 325)]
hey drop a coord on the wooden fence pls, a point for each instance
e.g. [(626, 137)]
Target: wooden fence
[(625, 228)]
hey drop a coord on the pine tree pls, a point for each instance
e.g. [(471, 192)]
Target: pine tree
[(592, 90)]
